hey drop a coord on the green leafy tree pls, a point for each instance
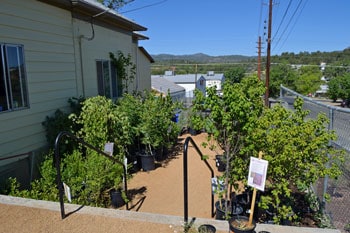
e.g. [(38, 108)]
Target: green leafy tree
[(339, 87), (281, 74), (234, 75), (298, 153), (309, 80), (232, 118), (334, 88), (156, 128), (345, 87)]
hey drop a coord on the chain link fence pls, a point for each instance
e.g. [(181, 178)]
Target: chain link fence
[(337, 209)]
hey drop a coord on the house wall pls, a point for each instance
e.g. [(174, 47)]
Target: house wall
[(144, 72), (96, 47), (46, 34), (60, 55)]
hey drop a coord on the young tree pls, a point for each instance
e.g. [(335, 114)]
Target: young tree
[(232, 118), (298, 152)]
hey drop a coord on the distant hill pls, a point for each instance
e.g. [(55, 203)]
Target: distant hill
[(200, 58)]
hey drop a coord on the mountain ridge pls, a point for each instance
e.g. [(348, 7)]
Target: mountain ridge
[(200, 58)]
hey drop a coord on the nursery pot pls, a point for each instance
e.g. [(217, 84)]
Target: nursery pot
[(220, 163), (117, 198), (239, 224), (232, 209), (147, 162), (192, 131), (206, 228)]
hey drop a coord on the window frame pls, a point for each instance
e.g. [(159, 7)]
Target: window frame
[(9, 82), (107, 86)]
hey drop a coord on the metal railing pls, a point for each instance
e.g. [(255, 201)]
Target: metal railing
[(57, 163), (185, 177)]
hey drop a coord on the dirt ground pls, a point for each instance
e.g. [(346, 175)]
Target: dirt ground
[(159, 191)]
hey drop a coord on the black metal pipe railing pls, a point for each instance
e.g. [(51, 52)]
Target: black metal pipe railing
[(185, 177), (58, 164)]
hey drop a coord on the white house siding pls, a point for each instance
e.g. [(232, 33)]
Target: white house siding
[(99, 47), (144, 71), (46, 34)]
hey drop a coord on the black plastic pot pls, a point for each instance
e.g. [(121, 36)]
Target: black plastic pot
[(147, 162), (232, 210), (192, 131), (206, 228), (236, 229), (117, 198), (220, 163)]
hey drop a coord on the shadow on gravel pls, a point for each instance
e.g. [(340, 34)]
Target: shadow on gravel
[(137, 194)]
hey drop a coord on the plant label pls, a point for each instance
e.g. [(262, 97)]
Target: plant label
[(67, 192), (109, 148), (257, 173)]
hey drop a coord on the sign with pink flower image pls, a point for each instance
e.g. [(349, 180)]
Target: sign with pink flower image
[(257, 173)]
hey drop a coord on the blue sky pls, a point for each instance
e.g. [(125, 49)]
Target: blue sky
[(232, 27)]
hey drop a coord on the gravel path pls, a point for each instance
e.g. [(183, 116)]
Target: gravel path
[(159, 191)]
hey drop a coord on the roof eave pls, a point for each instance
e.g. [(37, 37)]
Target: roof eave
[(92, 10)]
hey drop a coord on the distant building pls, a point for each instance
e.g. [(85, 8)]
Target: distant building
[(192, 81), (210, 80), (165, 87)]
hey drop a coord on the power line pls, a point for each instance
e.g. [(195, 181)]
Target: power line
[(284, 16), (289, 22), (295, 22), (260, 17), (142, 7)]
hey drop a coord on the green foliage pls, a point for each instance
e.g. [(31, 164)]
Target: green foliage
[(102, 122), (60, 122), (114, 4), (298, 152), (296, 147), (232, 118), (156, 128), (131, 106), (281, 74), (334, 88), (89, 177), (126, 69), (234, 75), (309, 80), (44, 188), (339, 87)]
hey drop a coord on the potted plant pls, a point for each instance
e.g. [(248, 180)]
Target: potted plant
[(291, 137), (240, 224), (232, 117), (156, 129)]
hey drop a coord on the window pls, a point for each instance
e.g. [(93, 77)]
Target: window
[(107, 82), (13, 80)]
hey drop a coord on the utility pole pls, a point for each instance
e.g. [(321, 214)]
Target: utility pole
[(268, 56), (259, 58)]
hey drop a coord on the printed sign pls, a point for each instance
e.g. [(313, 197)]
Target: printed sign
[(67, 192), (109, 148), (257, 173)]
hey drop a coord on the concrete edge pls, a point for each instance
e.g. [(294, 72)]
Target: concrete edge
[(148, 217)]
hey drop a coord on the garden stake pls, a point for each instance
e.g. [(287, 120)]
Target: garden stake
[(253, 200)]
